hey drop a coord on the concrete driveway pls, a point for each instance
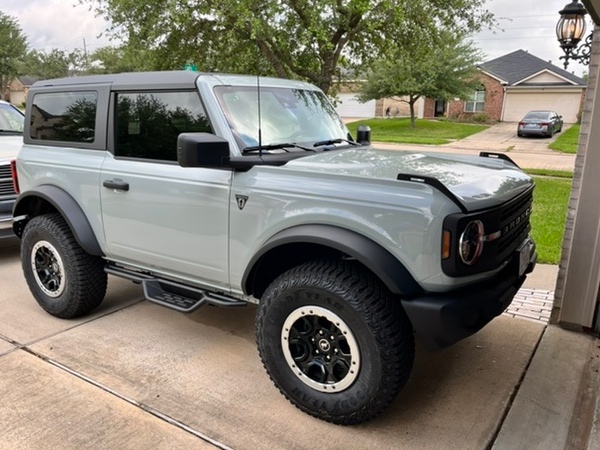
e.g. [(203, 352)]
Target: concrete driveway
[(133, 375), (503, 136)]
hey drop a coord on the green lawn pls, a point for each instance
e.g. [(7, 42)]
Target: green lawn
[(431, 132), (550, 205), (568, 141)]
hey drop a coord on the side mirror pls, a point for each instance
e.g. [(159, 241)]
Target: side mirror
[(363, 134), (202, 150)]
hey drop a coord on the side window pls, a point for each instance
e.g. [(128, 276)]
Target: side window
[(476, 102), (64, 116), (148, 123)]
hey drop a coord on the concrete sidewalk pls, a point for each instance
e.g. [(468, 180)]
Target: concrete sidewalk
[(134, 375)]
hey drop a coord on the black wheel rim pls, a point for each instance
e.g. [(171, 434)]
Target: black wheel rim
[(320, 349), (48, 269)]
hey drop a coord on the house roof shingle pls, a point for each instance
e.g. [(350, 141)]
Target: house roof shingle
[(519, 65)]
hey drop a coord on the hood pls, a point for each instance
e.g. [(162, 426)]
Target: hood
[(477, 182), (10, 146)]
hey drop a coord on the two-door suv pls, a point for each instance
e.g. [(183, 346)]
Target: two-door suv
[(224, 189)]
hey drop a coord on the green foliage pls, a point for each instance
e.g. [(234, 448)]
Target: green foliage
[(440, 66), (550, 206), (568, 141), (119, 59), (430, 132), (39, 64), (13, 47), (550, 173), (480, 118), (289, 38)]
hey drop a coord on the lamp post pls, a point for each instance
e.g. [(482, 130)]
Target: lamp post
[(570, 30)]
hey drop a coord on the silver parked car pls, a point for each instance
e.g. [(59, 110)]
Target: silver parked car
[(540, 123), (11, 138)]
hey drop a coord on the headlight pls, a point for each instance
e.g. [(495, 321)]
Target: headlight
[(471, 242)]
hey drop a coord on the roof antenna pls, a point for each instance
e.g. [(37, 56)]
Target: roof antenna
[(259, 119)]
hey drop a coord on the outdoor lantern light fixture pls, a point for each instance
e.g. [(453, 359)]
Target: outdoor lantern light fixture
[(570, 30)]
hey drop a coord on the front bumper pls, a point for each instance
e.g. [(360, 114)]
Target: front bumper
[(442, 319)]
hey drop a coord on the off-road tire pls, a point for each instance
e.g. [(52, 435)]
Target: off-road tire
[(373, 320), (66, 281)]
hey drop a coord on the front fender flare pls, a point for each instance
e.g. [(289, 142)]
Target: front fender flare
[(369, 253), (28, 202)]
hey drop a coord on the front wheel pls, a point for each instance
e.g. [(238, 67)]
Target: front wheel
[(334, 341), (66, 281)]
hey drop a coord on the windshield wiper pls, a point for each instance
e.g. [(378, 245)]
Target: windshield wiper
[(11, 131), (283, 146), (334, 141)]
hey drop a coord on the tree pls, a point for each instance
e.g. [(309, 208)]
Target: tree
[(443, 68), (13, 47), (119, 59), (54, 64), (289, 38)]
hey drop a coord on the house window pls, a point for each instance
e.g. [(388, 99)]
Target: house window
[(476, 103)]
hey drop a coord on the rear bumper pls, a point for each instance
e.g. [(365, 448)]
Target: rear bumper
[(535, 132), (440, 320)]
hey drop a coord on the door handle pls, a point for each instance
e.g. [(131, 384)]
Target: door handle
[(117, 184)]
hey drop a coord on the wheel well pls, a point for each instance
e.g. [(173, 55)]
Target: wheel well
[(283, 258), (31, 207)]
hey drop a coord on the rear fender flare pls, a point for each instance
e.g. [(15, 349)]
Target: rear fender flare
[(31, 203)]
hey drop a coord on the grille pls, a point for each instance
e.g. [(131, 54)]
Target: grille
[(514, 224), (6, 181)]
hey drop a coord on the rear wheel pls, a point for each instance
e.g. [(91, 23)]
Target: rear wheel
[(334, 341), (65, 280)]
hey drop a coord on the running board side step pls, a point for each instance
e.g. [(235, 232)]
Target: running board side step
[(176, 296)]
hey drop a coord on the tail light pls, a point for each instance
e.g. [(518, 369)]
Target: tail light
[(15, 175), (545, 124), (521, 124)]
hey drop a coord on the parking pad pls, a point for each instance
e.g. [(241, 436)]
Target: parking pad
[(203, 371), (43, 407)]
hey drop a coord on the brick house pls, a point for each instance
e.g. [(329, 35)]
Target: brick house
[(17, 90), (514, 84)]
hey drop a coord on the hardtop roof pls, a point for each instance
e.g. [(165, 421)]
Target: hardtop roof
[(176, 79)]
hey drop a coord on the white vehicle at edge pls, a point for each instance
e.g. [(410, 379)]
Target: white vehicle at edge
[(11, 141)]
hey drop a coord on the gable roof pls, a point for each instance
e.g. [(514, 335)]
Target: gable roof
[(520, 66)]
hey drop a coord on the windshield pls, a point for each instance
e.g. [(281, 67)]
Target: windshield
[(286, 115), (11, 119)]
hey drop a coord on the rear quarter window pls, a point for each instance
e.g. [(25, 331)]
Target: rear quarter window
[(64, 116)]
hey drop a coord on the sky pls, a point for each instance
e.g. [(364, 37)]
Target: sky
[(523, 24)]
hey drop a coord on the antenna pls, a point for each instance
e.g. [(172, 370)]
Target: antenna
[(259, 120)]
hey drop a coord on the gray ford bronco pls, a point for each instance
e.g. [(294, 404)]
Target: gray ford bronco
[(228, 190)]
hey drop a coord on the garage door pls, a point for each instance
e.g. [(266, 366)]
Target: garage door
[(518, 103), (349, 106)]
